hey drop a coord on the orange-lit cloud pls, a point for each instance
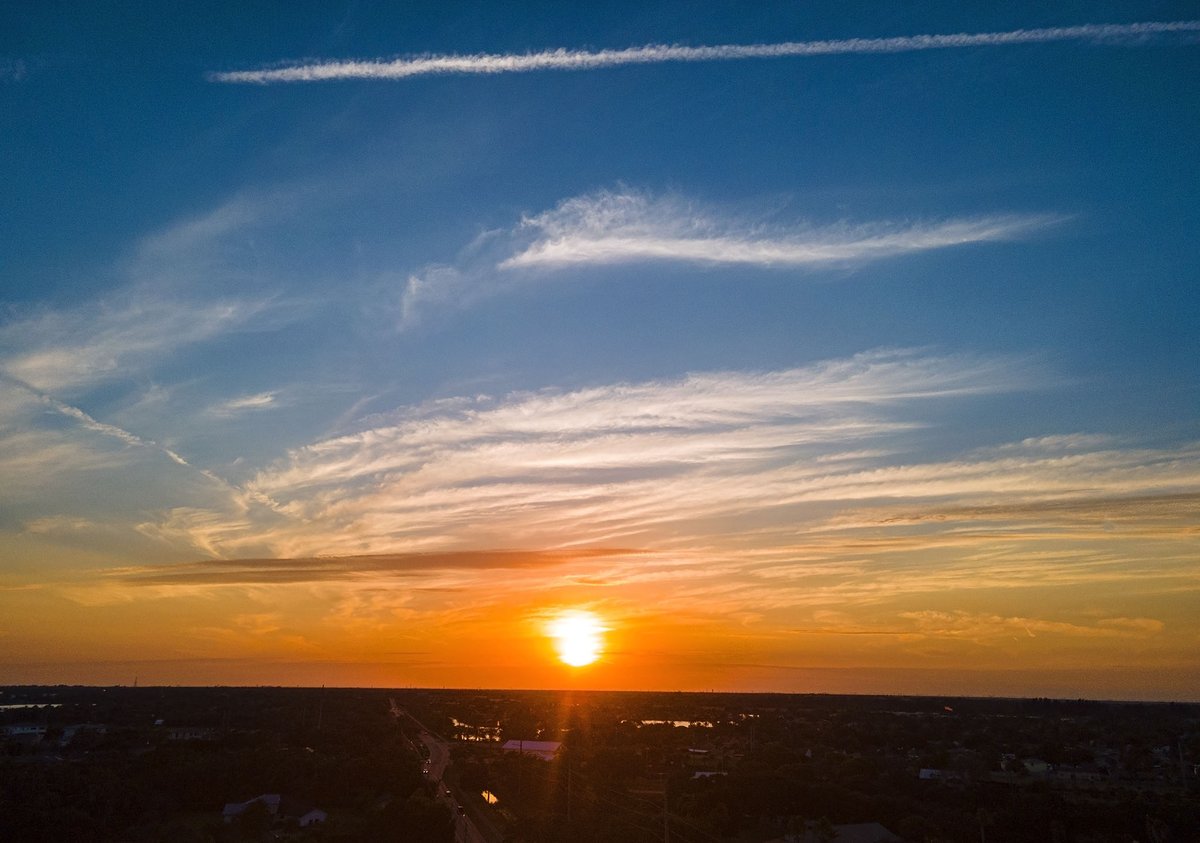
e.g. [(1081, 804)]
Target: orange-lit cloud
[(744, 527)]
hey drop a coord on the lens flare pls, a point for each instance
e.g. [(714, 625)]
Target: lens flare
[(578, 637)]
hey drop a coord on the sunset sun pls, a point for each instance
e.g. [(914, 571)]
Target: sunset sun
[(578, 637)]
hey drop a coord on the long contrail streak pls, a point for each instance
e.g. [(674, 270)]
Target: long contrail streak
[(563, 59)]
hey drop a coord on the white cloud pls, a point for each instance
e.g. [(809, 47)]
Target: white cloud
[(246, 404), (606, 228), (49, 448), (756, 491), (609, 460), (563, 59), (166, 301), (110, 338), (752, 409), (803, 464), (1058, 443), (627, 226)]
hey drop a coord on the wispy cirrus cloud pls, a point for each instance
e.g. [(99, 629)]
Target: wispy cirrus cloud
[(111, 338), (800, 474), (961, 624), (564, 59), (45, 441), (612, 227), (608, 227), (807, 486), (246, 404), (776, 496), (625, 424), (167, 298), (550, 467), (66, 369), (982, 628)]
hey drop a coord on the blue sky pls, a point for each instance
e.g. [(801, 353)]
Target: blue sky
[(725, 310)]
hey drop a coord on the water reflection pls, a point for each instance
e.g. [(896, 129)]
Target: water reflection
[(475, 734)]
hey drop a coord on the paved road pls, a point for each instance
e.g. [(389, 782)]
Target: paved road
[(465, 830)]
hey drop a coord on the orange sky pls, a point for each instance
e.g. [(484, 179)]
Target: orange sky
[(920, 618), (881, 381)]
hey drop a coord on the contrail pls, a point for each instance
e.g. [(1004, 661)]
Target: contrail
[(90, 422), (563, 59)]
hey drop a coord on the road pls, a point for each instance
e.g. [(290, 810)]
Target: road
[(465, 829)]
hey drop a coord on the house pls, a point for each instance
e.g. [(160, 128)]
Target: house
[(311, 817), (863, 833), (932, 775), (70, 732), (279, 807), (1078, 775), (191, 733), (852, 833), (1036, 766), (233, 810), (24, 730), (545, 750), (26, 734)]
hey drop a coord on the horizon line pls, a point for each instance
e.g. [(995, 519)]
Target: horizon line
[(568, 690)]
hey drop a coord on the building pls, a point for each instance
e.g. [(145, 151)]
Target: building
[(279, 808), (853, 833), (545, 750), (863, 833), (191, 733), (29, 731)]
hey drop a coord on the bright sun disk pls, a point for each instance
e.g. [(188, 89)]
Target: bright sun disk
[(578, 637)]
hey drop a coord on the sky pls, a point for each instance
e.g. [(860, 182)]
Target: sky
[(812, 347)]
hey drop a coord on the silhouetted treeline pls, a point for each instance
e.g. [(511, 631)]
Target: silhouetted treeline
[(151, 764), (729, 766), (158, 764)]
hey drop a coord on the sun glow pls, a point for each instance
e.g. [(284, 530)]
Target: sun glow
[(578, 637)]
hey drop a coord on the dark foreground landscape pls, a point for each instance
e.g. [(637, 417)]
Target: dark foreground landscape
[(234, 764)]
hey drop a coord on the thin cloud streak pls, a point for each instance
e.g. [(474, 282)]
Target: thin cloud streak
[(246, 404), (752, 490), (623, 226), (477, 467), (610, 228), (183, 286), (563, 59), (341, 568), (619, 466), (104, 341), (34, 448), (624, 425), (601, 464)]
